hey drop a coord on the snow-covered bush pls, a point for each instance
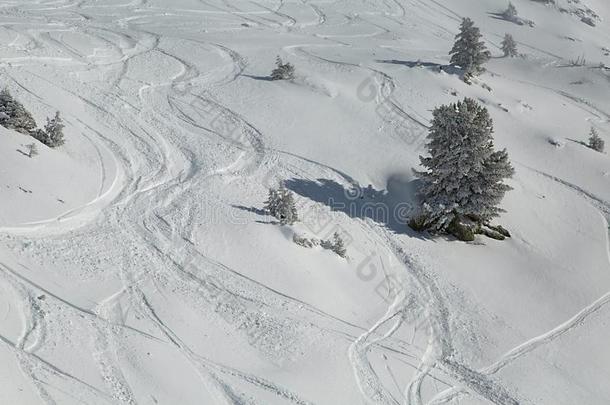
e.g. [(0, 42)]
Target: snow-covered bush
[(52, 135), (509, 46), (282, 71), (13, 114), (304, 241), (595, 141), (558, 143), (469, 52), (463, 181), (337, 245), (280, 204)]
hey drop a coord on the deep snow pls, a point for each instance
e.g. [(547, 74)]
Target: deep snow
[(135, 264)]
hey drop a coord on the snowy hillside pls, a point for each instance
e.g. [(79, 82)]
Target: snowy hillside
[(137, 265)]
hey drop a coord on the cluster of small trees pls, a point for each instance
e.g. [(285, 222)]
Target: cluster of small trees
[(469, 51), (282, 71), (335, 244), (13, 115), (281, 205)]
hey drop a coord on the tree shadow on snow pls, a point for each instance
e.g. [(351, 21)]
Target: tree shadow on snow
[(516, 20), (583, 143), (502, 17), (390, 208), (262, 78), (258, 211), (437, 67), (253, 210)]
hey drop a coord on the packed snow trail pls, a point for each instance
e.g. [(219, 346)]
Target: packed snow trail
[(152, 141)]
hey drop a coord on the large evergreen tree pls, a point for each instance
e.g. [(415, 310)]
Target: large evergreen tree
[(463, 180), (469, 52), (13, 114)]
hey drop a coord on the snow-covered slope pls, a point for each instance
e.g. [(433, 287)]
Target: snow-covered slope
[(135, 264)]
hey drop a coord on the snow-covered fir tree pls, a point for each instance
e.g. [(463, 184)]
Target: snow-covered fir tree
[(509, 46), (338, 245), (595, 141), (469, 52), (282, 71), (54, 130), (273, 201), (463, 180), (13, 114), (511, 12), (281, 205)]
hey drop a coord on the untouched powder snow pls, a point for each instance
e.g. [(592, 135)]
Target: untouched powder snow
[(137, 265)]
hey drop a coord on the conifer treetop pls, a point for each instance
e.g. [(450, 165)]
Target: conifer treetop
[(469, 52)]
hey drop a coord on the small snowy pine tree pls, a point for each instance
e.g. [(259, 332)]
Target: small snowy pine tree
[(338, 245), (469, 52), (54, 131), (509, 46), (595, 141), (273, 201), (281, 205), (286, 210), (283, 71), (511, 12), (464, 177)]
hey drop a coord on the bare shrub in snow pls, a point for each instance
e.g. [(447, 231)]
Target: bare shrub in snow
[(32, 150), (280, 204), (509, 46), (282, 71), (595, 141), (579, 61), (463, 183), (469, 52)]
